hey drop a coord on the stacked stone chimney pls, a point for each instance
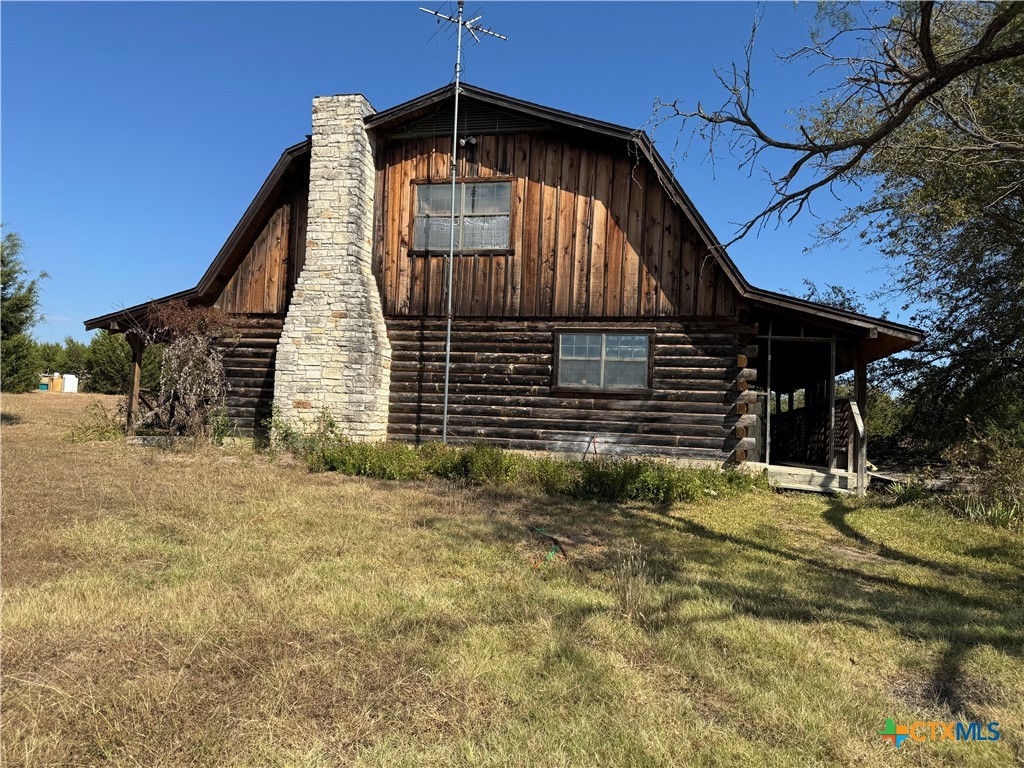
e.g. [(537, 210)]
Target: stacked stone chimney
[(334, 355)]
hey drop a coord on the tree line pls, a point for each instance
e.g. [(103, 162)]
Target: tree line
[(102, 365)]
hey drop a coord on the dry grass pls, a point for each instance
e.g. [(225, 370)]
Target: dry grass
[(216, 608)]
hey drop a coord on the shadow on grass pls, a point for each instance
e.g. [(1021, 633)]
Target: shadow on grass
[(960, 608), (9, 419), (836, 516)]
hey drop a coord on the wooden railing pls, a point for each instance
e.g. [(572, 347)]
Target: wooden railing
[(858, 447), (801, 436)]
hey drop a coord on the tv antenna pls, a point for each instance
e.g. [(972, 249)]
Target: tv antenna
[(471, 26)]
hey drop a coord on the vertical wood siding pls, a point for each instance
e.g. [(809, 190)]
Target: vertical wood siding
[(594, 235), (262, 282)]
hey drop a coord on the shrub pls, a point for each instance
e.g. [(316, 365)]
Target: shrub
[(442, 460), (553, 476), (488, 464), (657, 482), (609, 480), (992, 465), (383, 461), (998, 513), (98, 424), (907, 492)]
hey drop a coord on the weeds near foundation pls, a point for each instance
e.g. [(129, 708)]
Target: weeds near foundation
[(606, 480)]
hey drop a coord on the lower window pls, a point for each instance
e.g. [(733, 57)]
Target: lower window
[(603, 360)]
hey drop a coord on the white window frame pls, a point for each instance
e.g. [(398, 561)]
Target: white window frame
[(461, 217), (602, 387)]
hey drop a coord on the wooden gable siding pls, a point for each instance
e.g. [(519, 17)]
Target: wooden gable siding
[(502, 390), (263, 281), (259, 284), (258, 292), (594, 235)]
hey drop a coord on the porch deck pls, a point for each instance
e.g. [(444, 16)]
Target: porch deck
[(814, 479)]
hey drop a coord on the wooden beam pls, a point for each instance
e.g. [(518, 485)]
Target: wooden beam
[(831, 394), (138, 345), (860, 394)]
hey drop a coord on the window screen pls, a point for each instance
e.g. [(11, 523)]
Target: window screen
[(482, 216), (603, 360)]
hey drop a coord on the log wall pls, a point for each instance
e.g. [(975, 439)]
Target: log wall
[(249, 369), (501, 390), (593, 234)]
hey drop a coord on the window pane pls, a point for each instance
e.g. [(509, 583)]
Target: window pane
[(619, 373), (490, 197), (432, 234), (581, 373), (626, 347), (485, 232), (434, 199), (581, 345)]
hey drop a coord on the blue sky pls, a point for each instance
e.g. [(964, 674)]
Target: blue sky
[(134, 135)]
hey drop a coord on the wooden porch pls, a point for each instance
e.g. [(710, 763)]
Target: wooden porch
[(813, 479), (810, 439)]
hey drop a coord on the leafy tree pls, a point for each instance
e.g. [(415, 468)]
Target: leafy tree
[(19, 311), (929, 117), (897, 60), (835, 296), (109, 363), (948, 211)]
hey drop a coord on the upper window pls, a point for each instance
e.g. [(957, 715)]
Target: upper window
[(481, 216), (603, 360)]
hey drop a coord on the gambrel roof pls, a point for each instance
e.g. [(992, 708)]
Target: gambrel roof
[(489, 112)]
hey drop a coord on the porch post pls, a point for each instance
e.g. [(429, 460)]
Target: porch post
[(832, 405), (134, 380), (860, 394)]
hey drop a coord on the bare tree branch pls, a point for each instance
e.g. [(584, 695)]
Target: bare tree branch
[(904, 64)]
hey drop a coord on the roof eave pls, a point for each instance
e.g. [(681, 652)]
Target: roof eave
[(131, 316)]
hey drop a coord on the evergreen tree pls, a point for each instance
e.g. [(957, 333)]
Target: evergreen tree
[(76, 358), (109, 363), (51, 357), (19, 311)]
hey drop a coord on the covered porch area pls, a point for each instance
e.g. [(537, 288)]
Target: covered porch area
[(812, 391)]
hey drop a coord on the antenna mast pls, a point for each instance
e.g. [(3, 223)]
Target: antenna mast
[(475, 30)]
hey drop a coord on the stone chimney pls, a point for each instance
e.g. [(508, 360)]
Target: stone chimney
[(334, 355)]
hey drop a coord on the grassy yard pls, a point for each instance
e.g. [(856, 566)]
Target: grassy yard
[(219, 608)]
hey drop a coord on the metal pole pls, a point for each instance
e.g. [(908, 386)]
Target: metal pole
[(768, 403), (451, 244)]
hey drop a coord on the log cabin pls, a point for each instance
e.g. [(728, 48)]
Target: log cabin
[(593, 310)]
